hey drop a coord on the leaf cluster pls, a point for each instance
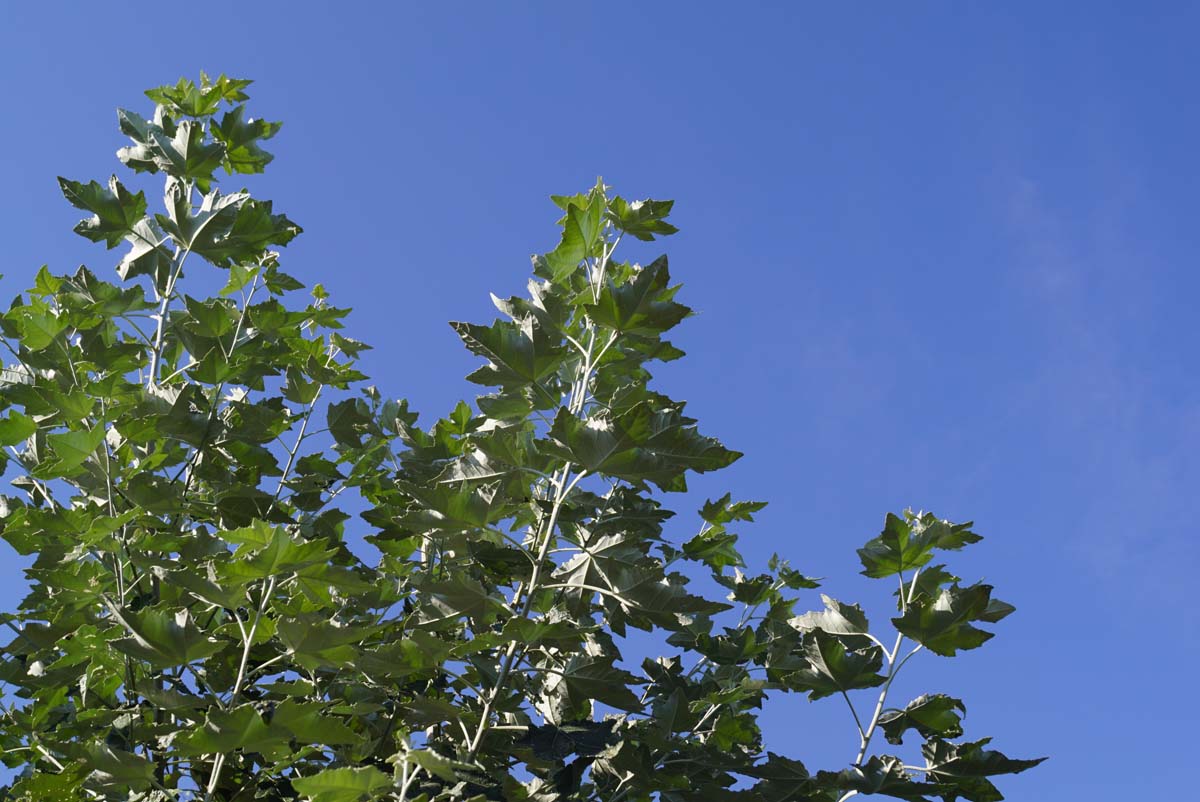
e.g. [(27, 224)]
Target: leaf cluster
[(198, 628)]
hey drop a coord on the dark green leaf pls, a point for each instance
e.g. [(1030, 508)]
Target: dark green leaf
[(119, 768), (519, 353), (931, 715), (283, 554), (723, 511), (879, 775), (115, 210), (943, 625), (831, 667), (641, 445), (641, 305), (964, 767), (241, 136), (581, 227), (163, 638), (908, 543), (715, 547), (589, 679), (226, 730), (555, 742)]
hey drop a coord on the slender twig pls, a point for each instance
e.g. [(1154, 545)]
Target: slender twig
[(524, 593), (893, 669), (247, 645), (181, 255), (592, 588), (862, 736), (528, 589)]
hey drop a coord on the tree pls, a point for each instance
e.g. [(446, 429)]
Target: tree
[(198, 629)]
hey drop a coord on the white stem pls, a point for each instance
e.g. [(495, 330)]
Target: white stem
[(528, 590), (248, 643), (893, 669), (181, 255), (524, 593)]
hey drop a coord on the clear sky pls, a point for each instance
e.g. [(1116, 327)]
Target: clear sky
[(944, 255)]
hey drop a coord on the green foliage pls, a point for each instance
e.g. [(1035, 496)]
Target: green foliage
[(197, 627)]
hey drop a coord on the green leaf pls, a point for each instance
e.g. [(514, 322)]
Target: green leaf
[(881, 774), (641, 305), (555, 742), (199, 586), (348, 421), (226, 730), (60, 786), (964, 767), (576, 245), (115, 211), (831, 667), (99, 297), (316, 641), (930, 715), (928, 584), (589, 679), (15, 428), (519, 353), (226, 229), (750, 590), (163, 638), (344, 785), (437, 765), (943, 625), (643, 219), (836, 619), (187, 155), (190, 99), (245, 728), (119, 768), (723, 511), (456, 596), (39, 327), (45, 284), (255, 228), (715, 547), (239, 277), (790, 577), (140, 156), (148, 253), (453, 506), (305, 723), (257, 535), (72, 448), (283, 554), (590, 214), (641, 445), (908, 543), (210, 318), (198, 229), (241, 136)]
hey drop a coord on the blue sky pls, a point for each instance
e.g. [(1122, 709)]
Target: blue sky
[(943, 255)]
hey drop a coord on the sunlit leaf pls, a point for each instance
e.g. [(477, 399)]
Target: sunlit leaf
[(344, 785)]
